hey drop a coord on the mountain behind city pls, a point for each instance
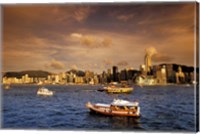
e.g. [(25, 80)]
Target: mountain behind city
[(31, 73), (44, 74)]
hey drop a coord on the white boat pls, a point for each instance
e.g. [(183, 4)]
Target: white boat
[(44, 91), (7, 87)]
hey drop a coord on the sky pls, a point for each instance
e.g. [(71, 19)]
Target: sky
[(60, 37)]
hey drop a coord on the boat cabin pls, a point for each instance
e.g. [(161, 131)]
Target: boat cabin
[(119, 105)]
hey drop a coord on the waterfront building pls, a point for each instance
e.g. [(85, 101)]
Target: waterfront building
[(132, 74), (5, 80), (96, 79), (103, 78), (56, 78), (146, 80), (91, 82), (163, 75), (142, 69), (70, 77), (88, 76), (49, 80), (14, 80), (139, 80), (62, 78), (26, 79), (170, 72), (123, 75), (78, 80), (180, 76)]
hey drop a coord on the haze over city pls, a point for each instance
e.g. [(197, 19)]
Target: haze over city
[(57, 38)]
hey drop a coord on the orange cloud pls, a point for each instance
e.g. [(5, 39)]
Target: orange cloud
[(161, 58), (92, 41), (122, 63), (54, 64)]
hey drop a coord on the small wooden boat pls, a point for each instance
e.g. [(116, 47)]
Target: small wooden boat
[(116, 108), (44, 91)]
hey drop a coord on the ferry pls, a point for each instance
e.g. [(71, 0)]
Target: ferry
[(117, 108), (44, 91), (122, 89), (116, 88)]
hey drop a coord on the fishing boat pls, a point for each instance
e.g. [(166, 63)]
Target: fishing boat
[(44, 91), (117, 108)]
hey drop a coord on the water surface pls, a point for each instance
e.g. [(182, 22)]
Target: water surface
[(163, 108)]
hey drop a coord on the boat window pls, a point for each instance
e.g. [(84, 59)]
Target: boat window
[(126, 108), (133, 108), (121, 107)]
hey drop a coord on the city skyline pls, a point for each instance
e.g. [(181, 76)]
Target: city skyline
[(95, 37)]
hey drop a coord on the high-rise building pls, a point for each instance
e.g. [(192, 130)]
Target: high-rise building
[(170, 73), (180, 76), (124, 75), (115, 72), (109, 75), (147, 62)]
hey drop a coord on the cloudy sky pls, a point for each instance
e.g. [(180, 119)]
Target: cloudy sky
[(95, 37)]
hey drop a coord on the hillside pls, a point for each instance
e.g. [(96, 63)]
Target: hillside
[(31, 73)]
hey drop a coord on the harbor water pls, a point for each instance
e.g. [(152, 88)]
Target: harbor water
[(163, 108)]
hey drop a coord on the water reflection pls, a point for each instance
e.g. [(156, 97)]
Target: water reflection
[(117, 122)]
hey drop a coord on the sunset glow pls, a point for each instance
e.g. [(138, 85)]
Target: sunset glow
[(96, 37)]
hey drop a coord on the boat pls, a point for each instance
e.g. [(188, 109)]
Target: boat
[(7, 87), (40, 83), (44, 91), (117, 108), (102, 89), (116, 89)]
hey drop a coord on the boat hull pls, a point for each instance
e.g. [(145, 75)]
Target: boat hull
[(107, 111), (119, 90), (45, 94)]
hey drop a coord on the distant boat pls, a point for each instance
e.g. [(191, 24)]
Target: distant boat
[(102, 89), (116, 108), (40, 83), (115, 88), (44, 91), (7, 87)]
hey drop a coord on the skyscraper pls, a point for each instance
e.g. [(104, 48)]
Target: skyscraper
[(147, 62), (115, 71), (109, 76)]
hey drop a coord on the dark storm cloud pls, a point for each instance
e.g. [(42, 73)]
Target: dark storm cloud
[(44, 21), (140, 17), (143, 19)]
